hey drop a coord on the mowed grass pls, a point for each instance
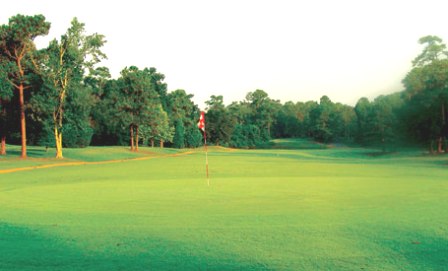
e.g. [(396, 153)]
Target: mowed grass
[(322, 209), (38, 156)]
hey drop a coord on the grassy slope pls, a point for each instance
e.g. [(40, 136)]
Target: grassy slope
[(38, 156), (330, 209)]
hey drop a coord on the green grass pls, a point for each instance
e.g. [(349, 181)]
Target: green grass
[(38, 156), (323, 209), (297, 143)]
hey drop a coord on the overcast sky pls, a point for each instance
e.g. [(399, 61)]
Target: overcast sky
[(293, 50)]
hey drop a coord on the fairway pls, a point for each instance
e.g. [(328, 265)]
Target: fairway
[(280, 209)]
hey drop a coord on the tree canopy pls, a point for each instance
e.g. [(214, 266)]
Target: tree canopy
[(69, 95)]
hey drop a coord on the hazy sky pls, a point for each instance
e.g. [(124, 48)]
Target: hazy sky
[(293, 50)]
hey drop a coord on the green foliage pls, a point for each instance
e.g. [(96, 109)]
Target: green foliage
[(5, 118), (193, 137), (158, 127), (289, 121), (5, 96), (108, 124), (380, 122), (24, 29), (108, 111), (263, 111), (427, 94), (247, 136), (17, 60), (6, 87), (136, 99), (180, 107), (219, 122), (17, 46), (330, 122), (386, 121), (434, 50), (46, 135), (179, 135), (77, 134), (159, 86), (77, 131), (319, 120)]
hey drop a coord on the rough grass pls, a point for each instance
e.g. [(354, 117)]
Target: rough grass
[(329, 209)]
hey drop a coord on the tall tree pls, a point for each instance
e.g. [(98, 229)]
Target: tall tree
[(5, 98), (385, 120), (66, 62), (179, 134), (219, 123), (320, 119), (348, 122), (434, 50), (158, 127), (114, 101), (363, 110), (427, 92), (136, 100), (108, 116), (160, 87), (17, 42), (288, 121), (181, 107), (263, 112)]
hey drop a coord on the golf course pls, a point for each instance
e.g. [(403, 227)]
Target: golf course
[(296, 206)]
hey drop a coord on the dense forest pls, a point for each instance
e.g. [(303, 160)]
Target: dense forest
[(61, 96)]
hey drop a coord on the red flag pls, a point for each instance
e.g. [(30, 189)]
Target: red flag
[(201, 123)]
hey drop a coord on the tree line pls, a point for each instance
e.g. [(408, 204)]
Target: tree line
[(60, 96)]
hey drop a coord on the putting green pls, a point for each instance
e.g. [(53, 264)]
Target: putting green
[(322, 209)]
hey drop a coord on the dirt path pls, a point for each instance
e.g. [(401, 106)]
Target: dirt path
[(81, 163)]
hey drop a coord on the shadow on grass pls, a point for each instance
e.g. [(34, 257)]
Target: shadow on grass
[(295, 144), (28, 249), (379, 154), (31, 152), (424, 252)]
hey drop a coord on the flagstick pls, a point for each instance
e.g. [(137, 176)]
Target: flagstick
[(206, 157), (201, 125)]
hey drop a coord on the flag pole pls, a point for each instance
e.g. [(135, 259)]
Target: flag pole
[(206, 156), (201, 125)]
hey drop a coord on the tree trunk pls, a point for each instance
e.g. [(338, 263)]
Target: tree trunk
[(57, 120), (161, 143), (3, 148), (439, 145), (3, 144), (58, 140), (442, 138), (431, 147), (152, 142), (22, 120), (443, 114), (132, 137), (136, 138)]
